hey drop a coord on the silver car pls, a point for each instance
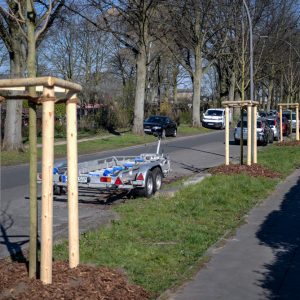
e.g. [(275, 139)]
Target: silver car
[(265, 134), (274, 123)]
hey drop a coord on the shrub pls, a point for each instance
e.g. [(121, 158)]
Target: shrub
[(185, 117)]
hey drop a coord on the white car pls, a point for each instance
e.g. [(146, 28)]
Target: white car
[(215, 118)]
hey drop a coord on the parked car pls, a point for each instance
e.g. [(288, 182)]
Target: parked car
[(287, 115), (215, 118), (294, 121), (286, 126), (262, 114), (265, 134), (160, 124), (274, 112), (274, 123)]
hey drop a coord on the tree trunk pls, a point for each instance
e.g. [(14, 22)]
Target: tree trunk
[(237, 111), (140, 93), (13, 126), (175, 92), (270, 94), (281, 87), (197, 79)]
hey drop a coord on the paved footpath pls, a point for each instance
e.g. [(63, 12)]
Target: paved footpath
[(262, 261)]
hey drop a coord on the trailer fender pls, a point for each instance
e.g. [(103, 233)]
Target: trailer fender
[(142, 173)]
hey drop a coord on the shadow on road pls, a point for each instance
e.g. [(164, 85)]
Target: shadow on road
[(14, 248)]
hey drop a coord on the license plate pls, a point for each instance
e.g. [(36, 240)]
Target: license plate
[(211, 124), (147, 129), (82, 179)]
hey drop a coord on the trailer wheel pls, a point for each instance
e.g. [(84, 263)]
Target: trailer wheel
[(147, 191), (56, 190), (157, 179)]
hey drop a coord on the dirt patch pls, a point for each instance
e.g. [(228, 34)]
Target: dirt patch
[(289, 144), (83, 282), (255, 170)]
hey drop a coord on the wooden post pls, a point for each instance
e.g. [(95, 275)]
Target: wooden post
[(47, 188), (255, 134), (297, 123), (281, 132), (227, 135), (249, 117), (72, 180)]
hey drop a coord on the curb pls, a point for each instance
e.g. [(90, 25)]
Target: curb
[(170, 192)]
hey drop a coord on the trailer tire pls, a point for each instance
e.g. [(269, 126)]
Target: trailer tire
[(147, 191), (157, 179), (57, 190)]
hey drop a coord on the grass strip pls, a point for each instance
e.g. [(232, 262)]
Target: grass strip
[(127, 139), (157, 240), (280, 159)]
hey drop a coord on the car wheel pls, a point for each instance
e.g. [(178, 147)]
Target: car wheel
[(163, 133), (175, 133), (266, 141), (223, 126), (236, 142), (272, 139), (147, 191), (157, 179)]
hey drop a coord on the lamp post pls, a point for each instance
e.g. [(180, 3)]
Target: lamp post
[(270, 37), (251, 74)]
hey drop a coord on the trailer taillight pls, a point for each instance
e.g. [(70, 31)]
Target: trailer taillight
[(140, 177), (118, 181), (105, 179), (40, 176)]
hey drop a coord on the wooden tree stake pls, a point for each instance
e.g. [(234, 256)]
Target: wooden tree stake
[(47, 188), (281, 132), (297, 123), (72, 182), (227, 135), (255, 134), (249, 136)]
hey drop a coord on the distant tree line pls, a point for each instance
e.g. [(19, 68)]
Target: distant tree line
[(129, 53)]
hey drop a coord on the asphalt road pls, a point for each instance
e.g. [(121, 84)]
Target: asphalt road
[(188, 154)]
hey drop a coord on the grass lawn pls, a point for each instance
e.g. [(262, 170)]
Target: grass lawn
[(185, 129), (157, 240), (82, 134), (280, 159), (123, 138)]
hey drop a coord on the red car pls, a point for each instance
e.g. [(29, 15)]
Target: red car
[(286, 127)]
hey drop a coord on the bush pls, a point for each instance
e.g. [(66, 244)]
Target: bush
[(185, 117), (59, 128), (122, 118)]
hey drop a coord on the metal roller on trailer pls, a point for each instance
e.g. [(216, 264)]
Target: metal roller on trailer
[(144, 172)]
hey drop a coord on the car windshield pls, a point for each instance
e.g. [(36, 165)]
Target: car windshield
[(217, 113), (263, 114), (288, 116), (158, 120), (272, 122), (258, 124)]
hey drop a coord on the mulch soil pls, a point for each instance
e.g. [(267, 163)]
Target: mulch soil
[(83, 282), (290, 143), (255, 170)]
